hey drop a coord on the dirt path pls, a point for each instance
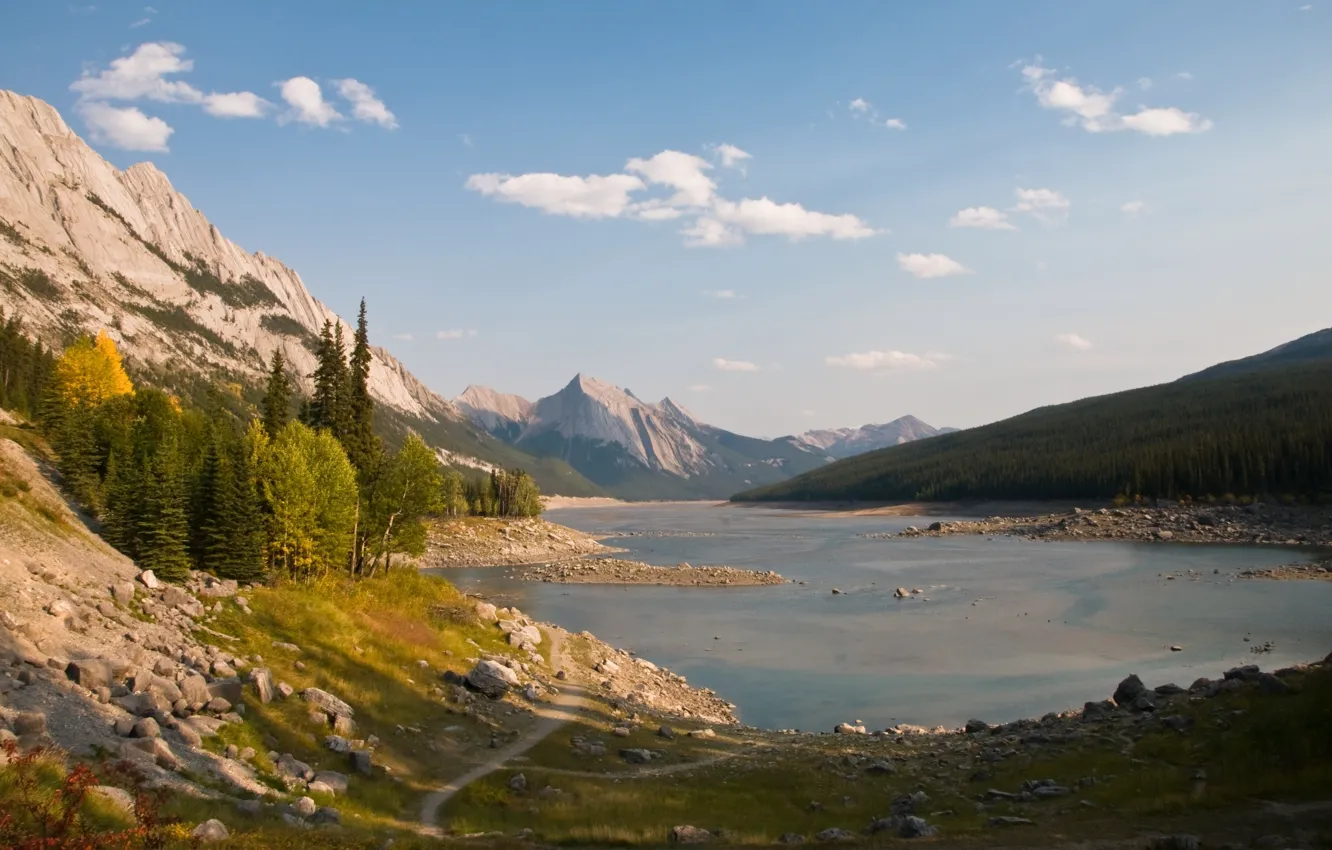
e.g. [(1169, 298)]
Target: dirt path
[(564, 708)]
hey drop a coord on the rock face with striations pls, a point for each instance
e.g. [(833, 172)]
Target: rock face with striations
[(120, 249)]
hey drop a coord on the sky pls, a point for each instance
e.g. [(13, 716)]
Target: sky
[(783, 215)]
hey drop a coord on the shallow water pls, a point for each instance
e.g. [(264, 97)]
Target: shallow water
[(1011, 628)]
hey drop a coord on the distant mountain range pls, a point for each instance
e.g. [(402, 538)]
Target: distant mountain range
[(1258, 426), (643, 450)]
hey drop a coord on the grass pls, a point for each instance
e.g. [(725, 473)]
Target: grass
[(362, 642), (1251, 748)]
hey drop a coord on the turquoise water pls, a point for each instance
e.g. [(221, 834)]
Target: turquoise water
[(1012, 628)]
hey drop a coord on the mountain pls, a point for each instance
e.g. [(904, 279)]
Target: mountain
[(846, 442), (85, 246), (632, 448), (1312, 348), (1261, 429)]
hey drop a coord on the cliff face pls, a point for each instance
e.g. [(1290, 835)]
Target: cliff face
[(84, 245)]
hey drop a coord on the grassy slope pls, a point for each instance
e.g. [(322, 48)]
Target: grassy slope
[(1088, 448)]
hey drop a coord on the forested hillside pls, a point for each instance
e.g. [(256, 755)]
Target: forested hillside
[(1266, 432)]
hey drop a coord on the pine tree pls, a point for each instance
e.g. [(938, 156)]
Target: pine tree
[(277, 396), (163, 521), (230, 533), (340, 420), (360, 441), (324, 401)]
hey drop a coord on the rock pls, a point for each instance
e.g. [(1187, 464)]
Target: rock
[(1271, 685), (344, 726), (1169, 690), (304, 807), (91, 673), (149, 580), (1006, 820), (690, 835), (292, 820), (29, 723), (194, 689), (124, 726), (362, 762), (607, 667), (881, 767), (914, 827), (284, 690), (1176, 648), (119, 798), (901, 593), (848, 729), (637, 756), (217, 705), (210, 830), (486, 612), (1048, 791), (791, 838), (1246, 673), (253, 808), (156, 749), (337, 744), (1145, 701), (335, 782), (518, 782), (492, 678), (7, 620), (836, 591), (1178, 722), (262, 678), (527, 634), (702, 733), (666, 732), (1129, 690), (834, 834), (189, 736), (936, 526), (325, 815), (317, 787), (123, 592), (227, 689), (288, 765), (327, 702), (976, 726), (620, 731)]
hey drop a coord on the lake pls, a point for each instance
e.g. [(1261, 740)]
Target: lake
[(1011, 628)]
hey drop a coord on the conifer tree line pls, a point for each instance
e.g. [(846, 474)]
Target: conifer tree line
[(248, 498)]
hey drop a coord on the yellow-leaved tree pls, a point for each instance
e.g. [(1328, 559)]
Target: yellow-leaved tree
[(90, 372)]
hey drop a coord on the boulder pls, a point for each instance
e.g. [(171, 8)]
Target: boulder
[(1129, 690), (284, 690), (686, 834), (1271, 685), (325, 815), (1246, 673), (289, 765), (327, 702), (834, 834), (486, 612), (149, 580), (119, 798), (915, 827), (336, 782), (304, 807), (337, 744), (848, 729), (262, 678), (344, 726), (492, 678), (518, 782), (29, 723), (91, 673), (123, 592), (362, 761), (209, 831), (976, 726), (155, 749), (194, 689), (146, 727), (637, 756), (227, 689)]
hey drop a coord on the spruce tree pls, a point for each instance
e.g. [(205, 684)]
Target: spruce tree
[(163, 522), (277, 396), (324, 401), (360, 442), (340, 420)]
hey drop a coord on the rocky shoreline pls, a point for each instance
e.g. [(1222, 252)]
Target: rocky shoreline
[(616, 571), (487, 542), (1251, 524)]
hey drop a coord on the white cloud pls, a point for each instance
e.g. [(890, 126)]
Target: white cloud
[(142, 75), (895, 124), (682, 172), (768, 218), (1184, 75), (1073, 341), (466, 139), (715, 222), (1166, 121), (455, 333), (723, 294), (699, 388), (307, 103), (595, 196), (709, 233), (930, 265), (1145, 83), (881, 360), (984, 218), (1094, 110), (1306, 7), (365, 106), (1132, 207), (725, 365), (126, 128), (1044, 204), (403, 337), (860, 105), (241, 104), (731, 156), (141, 22)]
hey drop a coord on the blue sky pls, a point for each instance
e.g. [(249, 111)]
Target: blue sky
[(959, 210)]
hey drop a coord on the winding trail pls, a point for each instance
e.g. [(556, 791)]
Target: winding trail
[(550, 716)]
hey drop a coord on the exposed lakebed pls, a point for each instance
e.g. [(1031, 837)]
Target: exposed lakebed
[(1011, 628)]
